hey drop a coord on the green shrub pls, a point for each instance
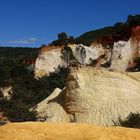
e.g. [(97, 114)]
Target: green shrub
[(67, 55), (27, 91), (17, 111), (137, 61), (132, 120)]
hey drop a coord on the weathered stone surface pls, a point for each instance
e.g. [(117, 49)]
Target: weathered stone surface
[(101, 97), (50, 61), (51, 109), (85, 55), (6, 92), (65, 131), (94, 96), (123, 55), (134, 75)]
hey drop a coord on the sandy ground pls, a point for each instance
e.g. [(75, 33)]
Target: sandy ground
[(65, 131)]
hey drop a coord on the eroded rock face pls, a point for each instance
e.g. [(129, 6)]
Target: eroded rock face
[(6, 92), (51, 109), (100, 97), (124, 54), (94, 96), (50, 61), (86, 55), (121, 56)]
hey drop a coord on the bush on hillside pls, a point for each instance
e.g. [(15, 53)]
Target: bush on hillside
[(27, 91), (63, 40), (137, 61), (119, 31), (133, 20), (67, 55), (132, 120)]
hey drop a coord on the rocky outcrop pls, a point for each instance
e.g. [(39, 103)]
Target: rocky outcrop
[(50, 60), (3, 119), (6, 92), (65, 131), (94, 96), (124, 54), (126, 48), (121, 56), (86, 55), (52, 108), (100, 97)]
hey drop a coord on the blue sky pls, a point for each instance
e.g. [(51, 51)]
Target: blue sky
[(35, 22)]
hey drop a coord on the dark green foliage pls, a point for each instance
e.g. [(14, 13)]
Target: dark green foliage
[(18, 52), (118, 25), (67, 55), (71, 40), (27, 91), (133, 121), (137, 61), (63, 39), (118, 29), (17, 111), (88, 37), (62, 36), (82, 53), (1, 95), (133, 20), (6, 68)]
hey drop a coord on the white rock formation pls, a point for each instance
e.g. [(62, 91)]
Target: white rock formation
[(107, 58), (50, 61), (101, 97), (85, 55), (123, 55), (7, 92), (51, 108), (93, 96)]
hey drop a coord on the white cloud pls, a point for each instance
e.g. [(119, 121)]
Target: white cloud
[(26, 41)]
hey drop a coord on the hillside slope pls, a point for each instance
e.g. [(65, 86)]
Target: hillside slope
[(111, 34), (65, 131)]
